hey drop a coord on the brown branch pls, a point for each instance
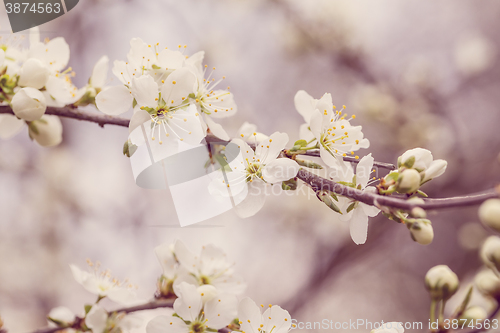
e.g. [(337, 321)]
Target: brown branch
[(148, 306), (308, 177)]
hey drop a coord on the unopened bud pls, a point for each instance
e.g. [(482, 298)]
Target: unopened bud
[(489, 213), (441, 282), (490, 252), (29, 104), (474, 314), (418, 213), (46, 131), (408, 181), (422, 232), (488, 283), (328, 200)]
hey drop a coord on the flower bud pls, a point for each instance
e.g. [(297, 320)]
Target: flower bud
[(436, 169), (418, 213), (47, 131), (165, 288), (408, 181), (61, 316), (417, 158), (488, 283), (422, 232), (490, 252), (473, 314), (33, 74), (207, 292), (489, 213), (441, 282), (29, 104)]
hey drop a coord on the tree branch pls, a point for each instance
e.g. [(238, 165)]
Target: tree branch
[(306, 176), (156, 304)]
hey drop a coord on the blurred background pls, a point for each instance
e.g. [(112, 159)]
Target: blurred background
[(416, 73)]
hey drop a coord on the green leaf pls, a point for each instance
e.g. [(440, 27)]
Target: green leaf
[(33, 128), (300, 143)]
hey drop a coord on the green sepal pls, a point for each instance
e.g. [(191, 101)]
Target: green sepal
[(461, 308), (422, 193), (308, 163), (409, 162), (327, 199), (351, 206), (129, 148), (289, 185), (87, 308), (134, 103)]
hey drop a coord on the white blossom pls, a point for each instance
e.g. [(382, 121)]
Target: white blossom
[(249, 177), (102, 284), (356, 212), (422, 160), (29, 104), (196, 315), (210, 267), (99, 321), (273, 320), (46, 131), (248, 132)]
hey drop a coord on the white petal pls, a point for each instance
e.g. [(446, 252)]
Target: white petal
[(141, 53), (145, 91), (217, 129), (138, 118), (221, 310), (62, 313), (33, 74), (168, 59), (305, 133), (277, 320), (62, 90), (186, 258), (222, 103), (359, 226), (186, 125), (178, 86), (370, 211), (54, 54), (48, 131), (10, 125), (164, 324), (122, 295), (195, 62), (29, 104), (304, 103), (122, 71), (214, 260), (250, 316), (233, 284), (34, 37), (269, 150), (167, 260), (188, 304), (316, 123), (100, 72), (436, 169), (423, 158), (325, 103), (114, 101), (364, 170), (280, 170), (247, 129), (96, 319), (254, 200), (78, 274)]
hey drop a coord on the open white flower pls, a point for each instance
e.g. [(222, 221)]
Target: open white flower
[(196, 313), (356, 212), (101, 283), (332, 130), (248, 178), (273, 320), (212, 103), (168, 111), (211, 267), (99, 321), (29, 104), (46, 131)]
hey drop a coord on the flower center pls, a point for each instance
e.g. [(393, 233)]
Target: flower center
[(197, 327), (204, 279)]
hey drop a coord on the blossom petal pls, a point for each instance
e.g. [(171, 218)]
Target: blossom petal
[(100, 72), (96, 319), (185, 125), (29, 104), (54, 54), (10, 125), (114, 101), (167, 260), (269, 150), (358, 226), (166, 324), (141, 53), (305, 133), (254, 200), (33, 74), (122, 295), (280, 170), (221, 310), (222, 103), (217, 129), (178, 86), (436, 169), (48, 131), (145, 91), (316, 123), (233, 284), (304, 103), (364, 170), (122, 71), (369, 210), (186, 258), (189, 303), (168, 59), (250, 316), (277, 320), (195, 62)]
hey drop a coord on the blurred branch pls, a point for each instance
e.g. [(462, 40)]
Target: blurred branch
[(315, 181), (157, 304)]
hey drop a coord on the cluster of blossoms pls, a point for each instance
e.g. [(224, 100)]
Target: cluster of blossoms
[(204, 290), (37, 77)]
